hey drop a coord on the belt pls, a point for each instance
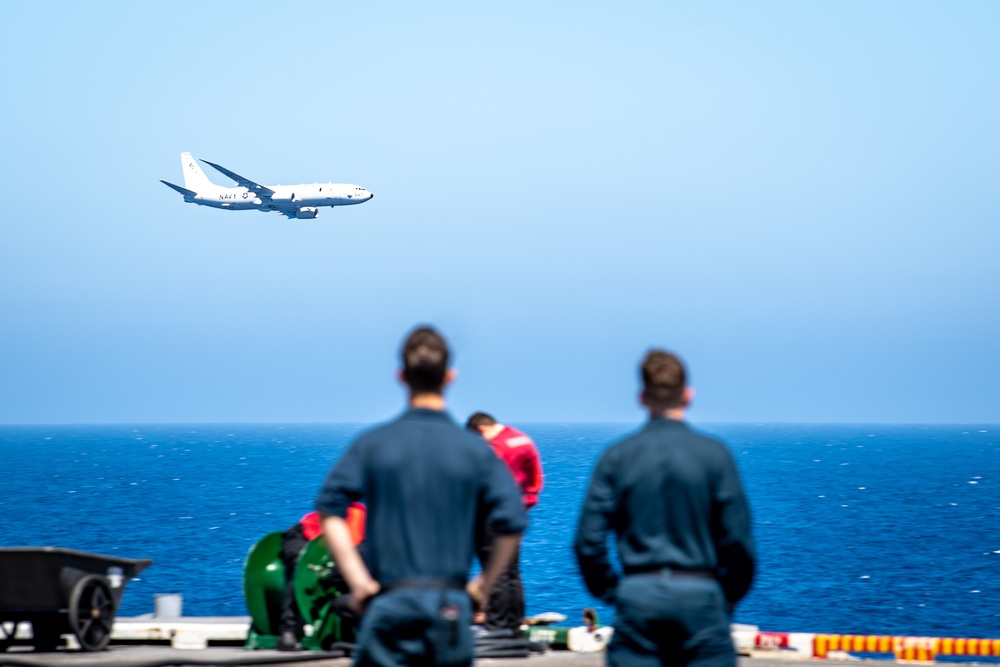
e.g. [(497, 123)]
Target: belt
[(439, 583), (695, 572), (342, 603)]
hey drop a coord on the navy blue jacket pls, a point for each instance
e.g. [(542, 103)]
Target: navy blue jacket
[(673, 498), (426, 483)]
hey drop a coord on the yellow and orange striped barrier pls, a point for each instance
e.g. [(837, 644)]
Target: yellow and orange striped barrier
[(906, 649)]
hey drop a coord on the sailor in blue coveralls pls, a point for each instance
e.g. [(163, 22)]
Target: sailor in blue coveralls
[(427, 483), (675, 502)]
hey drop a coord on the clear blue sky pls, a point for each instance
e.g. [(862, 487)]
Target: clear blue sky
[(801, 198)]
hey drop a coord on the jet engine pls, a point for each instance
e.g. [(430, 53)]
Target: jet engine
[(306, 213)]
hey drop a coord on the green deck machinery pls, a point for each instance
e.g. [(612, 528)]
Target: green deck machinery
[(315, 593)]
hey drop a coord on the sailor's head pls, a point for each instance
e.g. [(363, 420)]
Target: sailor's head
[(480, 422), (425, 358), (664, 381)]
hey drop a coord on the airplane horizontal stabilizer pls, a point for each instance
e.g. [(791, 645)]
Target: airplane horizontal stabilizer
[(183, 191)]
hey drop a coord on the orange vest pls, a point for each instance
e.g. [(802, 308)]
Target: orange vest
[(312, 528)]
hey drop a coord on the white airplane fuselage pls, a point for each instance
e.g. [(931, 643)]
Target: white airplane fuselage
[(294, 201), (285, 197)]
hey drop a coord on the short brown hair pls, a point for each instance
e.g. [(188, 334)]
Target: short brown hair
[(663, 377), (479, 419), (425, 359)]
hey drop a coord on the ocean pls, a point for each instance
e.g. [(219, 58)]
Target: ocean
[(866, 529)]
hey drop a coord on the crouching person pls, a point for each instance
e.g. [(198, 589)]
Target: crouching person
[(293, 541)]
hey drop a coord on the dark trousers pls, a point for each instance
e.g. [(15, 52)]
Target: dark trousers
[(416, 627), (505, 605), (666, 619), (292, 541)]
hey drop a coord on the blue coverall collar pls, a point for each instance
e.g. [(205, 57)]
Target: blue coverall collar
[(660, 420), (427, 413)]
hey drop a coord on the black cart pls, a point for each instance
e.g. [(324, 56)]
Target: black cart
[(62, 591)]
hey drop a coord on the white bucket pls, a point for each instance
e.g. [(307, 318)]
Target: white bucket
[(168, 605)]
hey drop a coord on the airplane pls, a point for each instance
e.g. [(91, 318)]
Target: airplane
[(293, 201)]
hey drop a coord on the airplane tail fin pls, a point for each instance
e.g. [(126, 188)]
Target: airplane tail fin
[(194, 178), (183, 191)]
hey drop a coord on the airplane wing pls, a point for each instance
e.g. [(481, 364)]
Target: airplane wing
[(288, 214), (261, 190)]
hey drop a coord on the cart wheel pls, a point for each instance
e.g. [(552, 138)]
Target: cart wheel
[(91, 612)]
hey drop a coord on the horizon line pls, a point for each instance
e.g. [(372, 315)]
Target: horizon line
[(511, 421)]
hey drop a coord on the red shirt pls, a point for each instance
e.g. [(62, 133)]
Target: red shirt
[(519, 453)]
